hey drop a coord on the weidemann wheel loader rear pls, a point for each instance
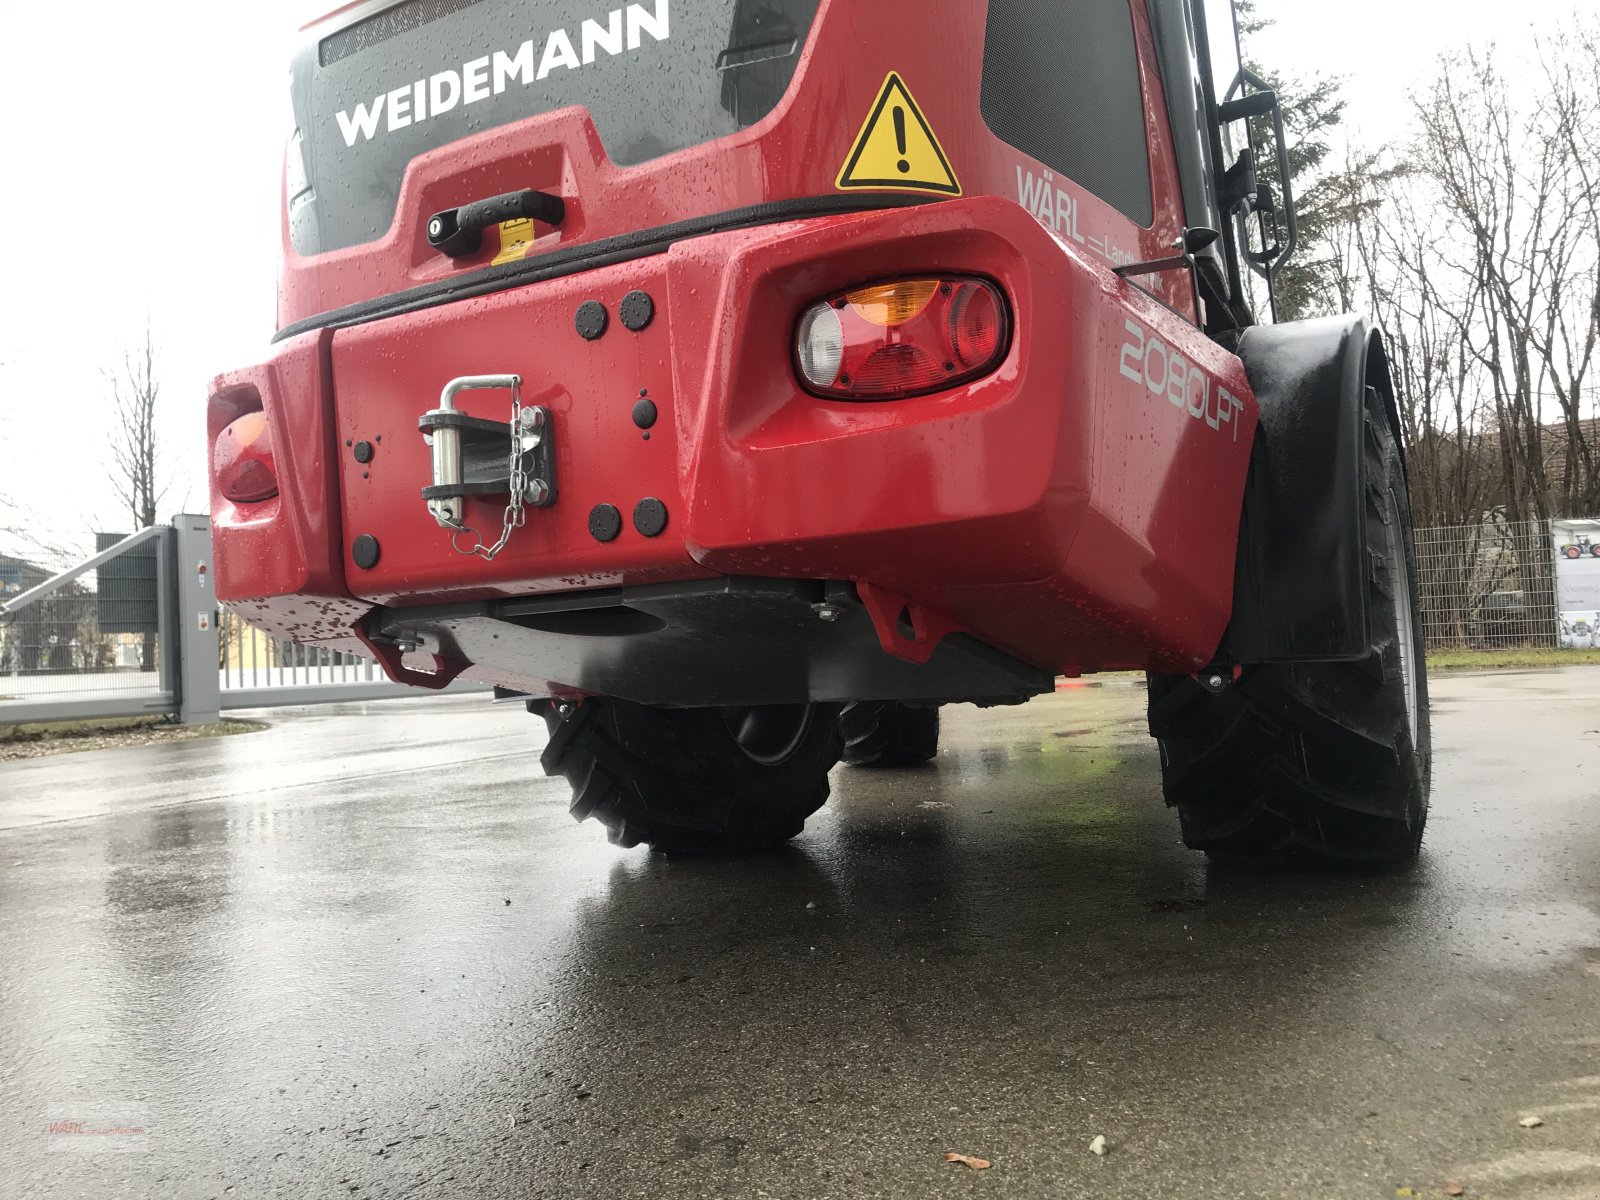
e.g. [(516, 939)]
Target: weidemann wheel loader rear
[(742, 380)]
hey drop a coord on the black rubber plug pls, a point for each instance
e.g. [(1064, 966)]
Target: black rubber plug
[(637, 310), (591, 320), (605, 522), (365, 551), (650, 517)]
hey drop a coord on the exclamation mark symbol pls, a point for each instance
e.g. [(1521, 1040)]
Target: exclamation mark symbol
[(900, 138)]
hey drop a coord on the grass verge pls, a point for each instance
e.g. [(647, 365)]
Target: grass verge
[(1488, 660), (66, 737)]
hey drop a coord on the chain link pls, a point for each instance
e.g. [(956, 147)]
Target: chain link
[(516, 512)]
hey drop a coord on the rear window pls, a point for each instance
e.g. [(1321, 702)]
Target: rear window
[(656, 77), (1061, 84)]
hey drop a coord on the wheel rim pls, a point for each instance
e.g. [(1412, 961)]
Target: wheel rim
[(769, 733), (1406, 629)]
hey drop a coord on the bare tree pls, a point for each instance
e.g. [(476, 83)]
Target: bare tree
[(10, 516), (1572, 334), (1383, 244), (1477, 246), (136, 457), (1516, 215), (135, 392), (22, 533), (1383, 253)]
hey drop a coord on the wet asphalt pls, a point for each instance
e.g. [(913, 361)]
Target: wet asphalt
[(366, 953)]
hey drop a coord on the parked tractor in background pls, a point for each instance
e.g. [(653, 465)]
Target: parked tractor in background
[(1584, 546), (741, 381)]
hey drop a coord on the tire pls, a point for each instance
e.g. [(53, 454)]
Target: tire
[(886, 734), (693, 780), (1315, 762)]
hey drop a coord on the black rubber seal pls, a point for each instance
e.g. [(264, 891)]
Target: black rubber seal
[(607, 252)]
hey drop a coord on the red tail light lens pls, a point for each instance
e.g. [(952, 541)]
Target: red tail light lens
[(902, 338), (241, 461)]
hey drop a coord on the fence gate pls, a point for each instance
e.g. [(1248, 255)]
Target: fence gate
[(136, 630), (89, 639)]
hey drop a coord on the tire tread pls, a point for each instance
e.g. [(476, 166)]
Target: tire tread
[(1308, 761), (677, 779), (888, 734)]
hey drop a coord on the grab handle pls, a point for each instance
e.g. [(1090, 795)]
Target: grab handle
[(458, 232)]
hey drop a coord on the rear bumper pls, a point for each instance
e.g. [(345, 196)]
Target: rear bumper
[(1077, 509)]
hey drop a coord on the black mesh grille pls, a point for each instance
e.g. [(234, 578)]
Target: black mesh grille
[(1061, 83), (380, 27)]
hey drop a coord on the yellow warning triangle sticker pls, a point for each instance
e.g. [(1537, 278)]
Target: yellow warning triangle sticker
[(896, 148)]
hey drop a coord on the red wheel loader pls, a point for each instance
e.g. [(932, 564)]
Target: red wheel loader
[(739, 381)]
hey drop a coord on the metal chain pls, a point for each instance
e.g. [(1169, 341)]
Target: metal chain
[(516, 513)]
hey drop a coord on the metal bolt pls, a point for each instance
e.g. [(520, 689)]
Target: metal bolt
[(538, 491), (532, 420), (828, 612), (564, 709), (1215, 681), (407, 645)]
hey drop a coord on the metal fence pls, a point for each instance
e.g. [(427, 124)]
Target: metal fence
[(127, 631), (75, 641), (135, 629), (1488, 586), (95, 640), (251, 659)]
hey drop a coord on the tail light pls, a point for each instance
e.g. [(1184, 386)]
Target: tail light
[(905, 337), (241, 460)]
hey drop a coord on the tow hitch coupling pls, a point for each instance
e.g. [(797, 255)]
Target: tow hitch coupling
[(477, 457)]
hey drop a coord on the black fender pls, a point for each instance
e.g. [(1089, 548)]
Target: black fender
[(1300, 578)]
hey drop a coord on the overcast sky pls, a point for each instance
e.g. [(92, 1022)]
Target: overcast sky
[(141, 184)]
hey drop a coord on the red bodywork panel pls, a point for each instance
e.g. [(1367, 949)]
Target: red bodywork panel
[(796, 151), (1078, 508)]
